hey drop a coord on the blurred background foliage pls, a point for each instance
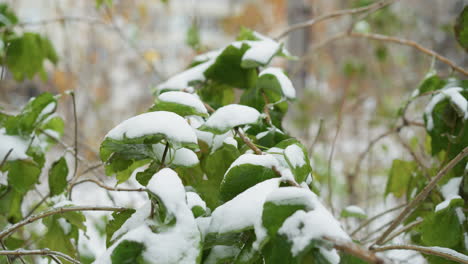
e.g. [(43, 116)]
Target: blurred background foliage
[(113, 52)]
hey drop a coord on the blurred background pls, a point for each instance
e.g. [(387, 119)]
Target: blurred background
[(350, 90)]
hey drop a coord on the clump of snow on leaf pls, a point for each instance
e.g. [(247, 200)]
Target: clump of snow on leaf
[(16, 143), (456, 99), (286, 85), (182, 80), (266, 160), (450, 192), (295, 155), (184, 99), (173, 126), (230, 116), (181, 157)]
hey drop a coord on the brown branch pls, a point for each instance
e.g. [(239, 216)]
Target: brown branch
[(75, 169), (404, 229), (42, 252), (370, 220), (355, 250), (266, 109), (422, 195), (5, 158), (55, 211), (410, 43), (247, 141), (209, 108), (115, 189), (334, 14), (436, 251)]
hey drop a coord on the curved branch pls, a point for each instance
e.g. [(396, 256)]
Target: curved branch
[(410, 43), (436, 251), (55, 211), (422, 195), (334, 14), (370, 220), (42, 252), (247, 141), (355, 250)]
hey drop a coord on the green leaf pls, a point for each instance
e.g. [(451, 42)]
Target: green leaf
[(128, 252), (246, 34), (431, 82), (143, 177), (442, 228), (181, 103), (278, 250), (275, 84), (275, 213), (297, 158), (32, 114), (216, 95), (461, 28), (399, 177), (241, 177), (350, 212), (59, 238), (100, 3), (7, 15), (27, 53), (10, 204), (118, 219), (229, 61), (58, 176), (22, 175)]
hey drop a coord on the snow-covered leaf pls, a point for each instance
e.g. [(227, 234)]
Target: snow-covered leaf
[(353, 211), (274, 80), (118, 219), (245, 172), (230, 116), (181, 103)]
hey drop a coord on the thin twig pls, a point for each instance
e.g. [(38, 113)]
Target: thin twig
[(422, 195), (42, 252), (266, 109), (319, 131), (115, 189), (404, 229), (59, 210), (247, 141), (166, 149), (5, 158), (355, 250), (410, 43), (334, 14), (436, 251), (75, 119), (4, 248), (55, 259), (4, 61), (370, 220)]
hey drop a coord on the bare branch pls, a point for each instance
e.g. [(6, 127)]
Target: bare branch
[(436, 251), (334, 14), (404, 229), (248, 142), (59, 210), (370, 220), (42, 252), (410, 43), (422, 195), (115, 189), (355, 250)]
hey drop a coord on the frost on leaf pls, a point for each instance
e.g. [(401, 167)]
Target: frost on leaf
[(181, 103), (171, 237), (230, 116)]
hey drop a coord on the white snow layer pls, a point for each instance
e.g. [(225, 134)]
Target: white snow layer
[(302, 227), (181, 81), (170, 124), (450, 192), (266, 160), (182, 157), (456, 99), (261, 50), (179, 243), (184, 99), (16, 143), (193, 199), (285, 83), (244, 210), (355, 210), (219, 253), (232, 115), (295, 155)]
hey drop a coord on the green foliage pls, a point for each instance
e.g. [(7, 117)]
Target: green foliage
[(193, 36), (58, 176), (461, 28), (400, 177), (118, 219), (127, 252)]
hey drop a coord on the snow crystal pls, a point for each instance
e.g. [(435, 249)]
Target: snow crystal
[(181, 81), (355, 210), (453, 93), (295, 155), (266, 160), (193, 199), (244, 210), (184, 99), (232, 115), (160, 122), (302, 227), (16, 143), (285, 83)]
